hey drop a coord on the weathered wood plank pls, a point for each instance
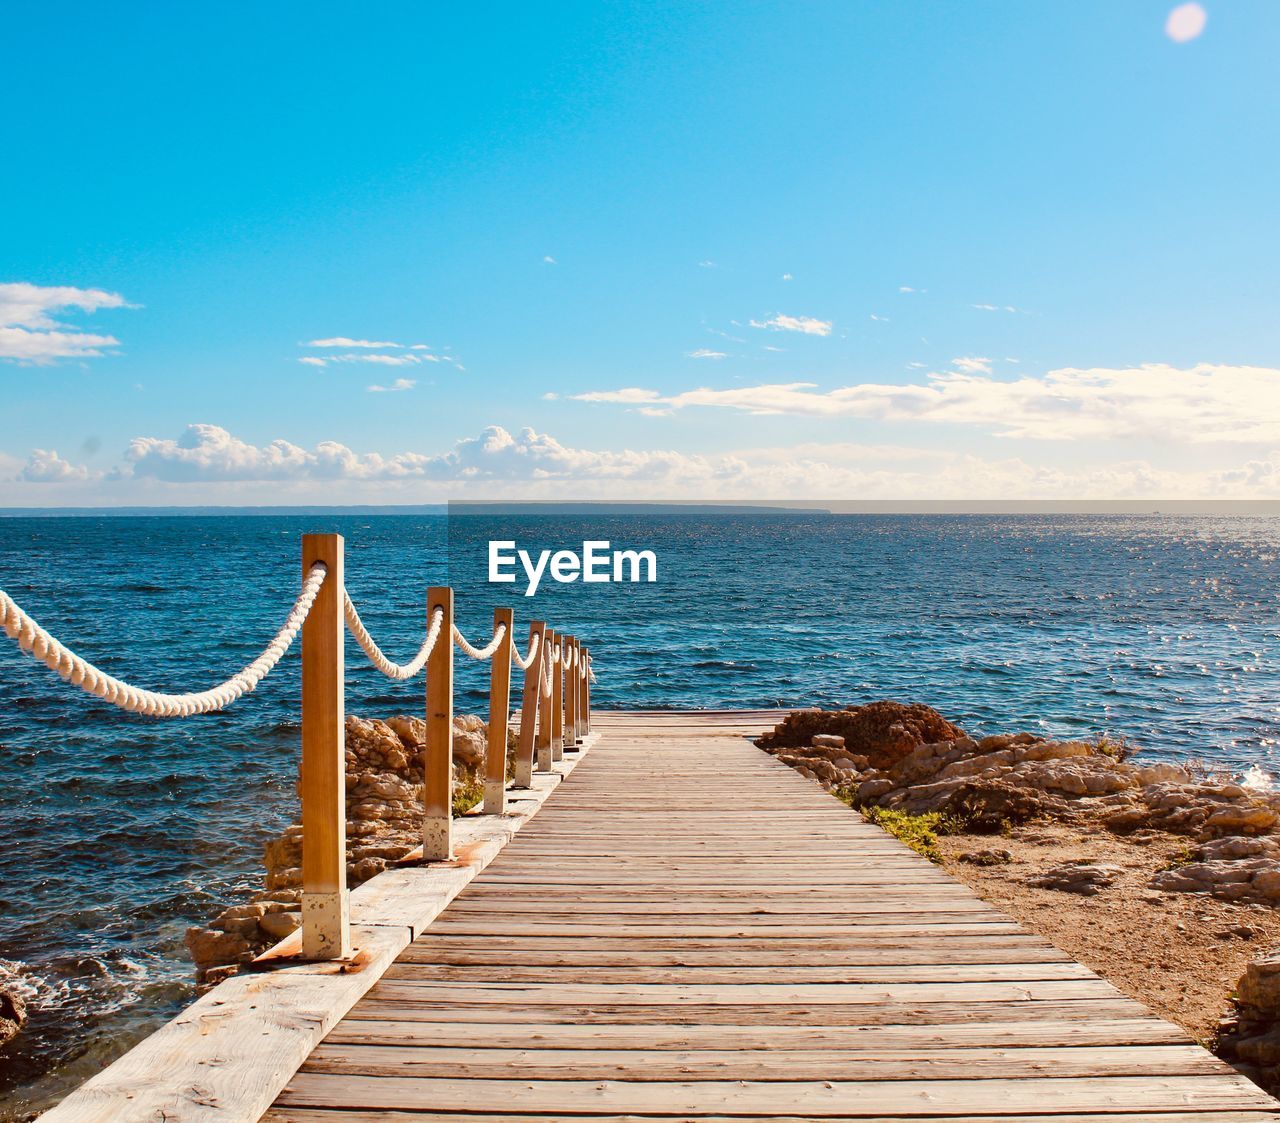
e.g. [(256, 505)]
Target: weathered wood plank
[(538, 1063), (816, 1099), (327, 1115), (1138, 1030)]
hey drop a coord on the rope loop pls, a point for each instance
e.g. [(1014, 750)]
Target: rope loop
[(481, 653), (397, 671), (546, 675), (34, 640), (526, 661)]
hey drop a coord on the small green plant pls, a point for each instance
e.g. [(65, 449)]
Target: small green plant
[(1118, 748), (920, 832), (1183, 856), (467, 792), (846, 793)]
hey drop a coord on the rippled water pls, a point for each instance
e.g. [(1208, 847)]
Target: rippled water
[(119, 831)]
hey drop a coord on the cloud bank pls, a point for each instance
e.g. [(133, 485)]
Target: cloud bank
[(207, 463)]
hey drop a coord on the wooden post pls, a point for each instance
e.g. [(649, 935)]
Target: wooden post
[(557, 702), (326, 913), (495, 766), (570, 696), (585, 687), (582, 698), (546, 706), (437, 764), (529, 708)]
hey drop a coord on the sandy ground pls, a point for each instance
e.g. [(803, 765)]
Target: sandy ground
[(1178, 953)]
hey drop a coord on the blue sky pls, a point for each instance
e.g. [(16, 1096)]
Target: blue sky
[(907, 250)]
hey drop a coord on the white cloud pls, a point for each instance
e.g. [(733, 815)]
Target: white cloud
[(45, 467), (1185, 22), (880, 319), (344, 342), (804, 324), (906, 288), (708, 265), (30, 333), (547, 259), (706, 353), (787, 277), (973, 364), (412, 357), (1209, 403), (995, 308), (398, 384)]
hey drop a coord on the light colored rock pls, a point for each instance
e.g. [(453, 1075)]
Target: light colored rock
[(1259, 986), (827, 741), (1244, 879), (1160, 773), (1086, 878), (278, 925)]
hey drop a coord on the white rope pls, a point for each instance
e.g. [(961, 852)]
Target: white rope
[(546, 674), (480, 653), (527, 661), (41, 645), (374, 652)]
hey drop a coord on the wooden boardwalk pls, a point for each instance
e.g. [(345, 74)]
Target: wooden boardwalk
[(690, 930)]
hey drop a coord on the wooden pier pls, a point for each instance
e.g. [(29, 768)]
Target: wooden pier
[(690, 930), (687, 929)]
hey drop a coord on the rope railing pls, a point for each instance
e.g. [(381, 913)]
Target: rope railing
[(38, 643), (555, 715)]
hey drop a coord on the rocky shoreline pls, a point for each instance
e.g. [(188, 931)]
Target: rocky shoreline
[(1163, 878), (384, 823)]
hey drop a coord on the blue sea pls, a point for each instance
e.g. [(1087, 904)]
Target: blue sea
[(119, 831)]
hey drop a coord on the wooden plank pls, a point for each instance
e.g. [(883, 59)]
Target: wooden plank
[(815, 1099), (509, 1115), (762, 994), (647, 1065), (1138, 1030), (717, 975), (411, 1008)]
